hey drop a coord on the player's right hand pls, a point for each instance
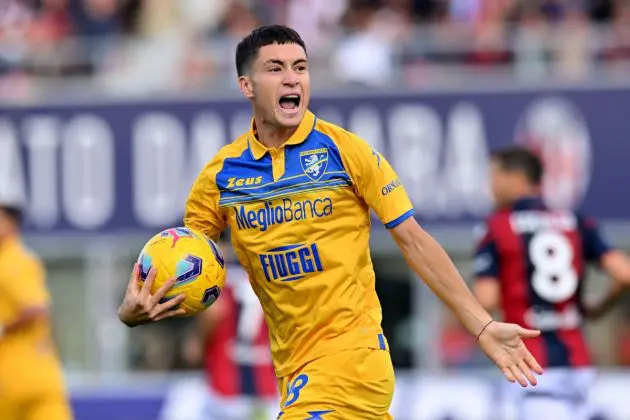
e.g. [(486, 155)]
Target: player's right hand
[(140, 306), (503, 343)]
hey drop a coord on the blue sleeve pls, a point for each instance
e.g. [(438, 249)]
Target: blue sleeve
[(486, 255), (594, 246)]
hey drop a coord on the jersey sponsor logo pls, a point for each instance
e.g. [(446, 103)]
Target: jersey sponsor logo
[(314, 163), (284, 211), (545, 319), (291, 262), (241, 182), (391, 186)]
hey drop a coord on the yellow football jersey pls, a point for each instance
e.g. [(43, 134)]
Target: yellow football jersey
[(28, 361), (300, 222)]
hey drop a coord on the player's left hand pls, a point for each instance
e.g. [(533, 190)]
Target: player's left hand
[(140, 306), (503, 343)]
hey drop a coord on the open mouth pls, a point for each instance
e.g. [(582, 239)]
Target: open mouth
[(290, 102)]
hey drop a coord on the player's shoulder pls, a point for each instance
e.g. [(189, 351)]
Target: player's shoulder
[(233, 150), (229, 151), (18, 257), (585, 221), (339, 135)]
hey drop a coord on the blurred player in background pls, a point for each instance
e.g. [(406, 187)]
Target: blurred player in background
[(530, 263), (296, 193), (31, 380), (232, 340)]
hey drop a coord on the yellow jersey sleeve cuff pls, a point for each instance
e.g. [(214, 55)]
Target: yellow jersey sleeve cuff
[(406, 215)]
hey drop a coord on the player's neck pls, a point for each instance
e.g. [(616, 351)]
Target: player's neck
[(8, 238), (272, 136)]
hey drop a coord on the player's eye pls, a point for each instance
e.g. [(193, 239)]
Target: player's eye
[(301, 68), (275, 69)]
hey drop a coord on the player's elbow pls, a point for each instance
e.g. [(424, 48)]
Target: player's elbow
[(409, 236), (36, 312), (486, 291), (27, 317)]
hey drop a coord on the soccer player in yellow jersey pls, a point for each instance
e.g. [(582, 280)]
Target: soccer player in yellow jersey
[(31, 382), (296, 192)]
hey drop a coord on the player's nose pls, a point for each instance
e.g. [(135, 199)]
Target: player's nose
[(291, 79)]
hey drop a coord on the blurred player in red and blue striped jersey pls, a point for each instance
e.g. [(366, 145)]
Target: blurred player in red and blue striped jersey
[(530, 263), (232, 339)]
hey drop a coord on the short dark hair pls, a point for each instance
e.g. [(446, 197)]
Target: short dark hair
[(14, 213), (520, 159), (247, 49)]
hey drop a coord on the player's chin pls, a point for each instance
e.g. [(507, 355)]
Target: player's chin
[(289, 119)]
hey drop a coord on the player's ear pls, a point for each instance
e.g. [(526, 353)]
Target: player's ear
[(245, 84)]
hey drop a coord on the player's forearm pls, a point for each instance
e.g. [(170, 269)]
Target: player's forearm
[(617, 265), (24, 319), (431, 263)]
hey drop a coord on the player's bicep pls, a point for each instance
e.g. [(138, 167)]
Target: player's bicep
[(486, 269), (377, 183), (202, 207)]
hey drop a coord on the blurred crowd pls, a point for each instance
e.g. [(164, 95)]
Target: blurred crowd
[(165, 45)]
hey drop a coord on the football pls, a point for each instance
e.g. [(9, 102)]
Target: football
[(193, 259)]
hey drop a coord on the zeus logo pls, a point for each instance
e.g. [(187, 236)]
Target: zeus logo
[(239, 182), (292, 262)]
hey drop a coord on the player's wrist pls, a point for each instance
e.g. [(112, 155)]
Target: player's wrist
[(484, 328)]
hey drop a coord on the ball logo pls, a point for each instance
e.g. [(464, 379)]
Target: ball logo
[(557, 130), (176, 234)]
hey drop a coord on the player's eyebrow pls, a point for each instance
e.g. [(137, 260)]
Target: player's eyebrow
[(281, 63), (274, 61)]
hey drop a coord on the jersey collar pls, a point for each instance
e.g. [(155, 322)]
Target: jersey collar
[(528, 203), (305, 128)]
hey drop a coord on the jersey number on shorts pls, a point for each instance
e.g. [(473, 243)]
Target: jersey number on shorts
[(294, 388), (554, 279)]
